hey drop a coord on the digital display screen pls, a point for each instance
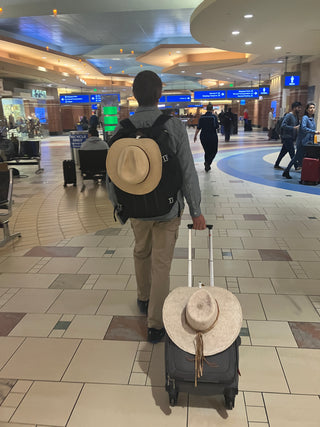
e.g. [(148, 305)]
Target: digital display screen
[(110, 110), (243, 93), (242, 102), (109, 128), (40, 112), (210, 94), (74, 99), (110, 120), (291, 80), (178, 98), (264, 90)]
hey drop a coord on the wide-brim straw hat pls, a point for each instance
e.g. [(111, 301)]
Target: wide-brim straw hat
[(135, 165), (213, 312)]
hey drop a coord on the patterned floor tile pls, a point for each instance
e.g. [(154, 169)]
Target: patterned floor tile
[(254, 217), (306, 334), (8, 321), (182, 253), (69, 281), (274, 255), (127, 328), (108, 232), (5, 388), (53, 251)]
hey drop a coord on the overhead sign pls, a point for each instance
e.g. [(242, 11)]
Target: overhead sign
[(162, 99), (97, 97), (195, 106), (74, 99), (243, 93), (291, 80), (210, 94), (178, 98), (264, 90)]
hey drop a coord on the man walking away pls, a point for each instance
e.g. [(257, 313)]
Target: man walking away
[(208, 124), (155, 237), (289, 130)]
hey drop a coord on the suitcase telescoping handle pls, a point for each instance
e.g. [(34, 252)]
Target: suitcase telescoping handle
[(209, 227)]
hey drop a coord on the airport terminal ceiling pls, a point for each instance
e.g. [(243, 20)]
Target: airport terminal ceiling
[(190, 47)]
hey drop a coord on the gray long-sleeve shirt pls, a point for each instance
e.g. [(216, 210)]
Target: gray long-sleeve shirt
[(145, 117)]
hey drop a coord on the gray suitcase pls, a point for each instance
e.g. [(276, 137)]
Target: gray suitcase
[(220, 372)]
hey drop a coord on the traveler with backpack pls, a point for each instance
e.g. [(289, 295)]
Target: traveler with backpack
[(208, 124), (289, 129), (94, 121), (227, 121), (143, 172), (271, 124), (305, 137)]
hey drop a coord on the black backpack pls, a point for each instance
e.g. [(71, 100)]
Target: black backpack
[(161, 200)]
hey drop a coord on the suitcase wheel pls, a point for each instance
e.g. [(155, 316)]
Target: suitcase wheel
[(173, 398), (229, 402)]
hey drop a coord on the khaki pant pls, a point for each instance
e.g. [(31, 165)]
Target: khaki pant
[(153, 253)]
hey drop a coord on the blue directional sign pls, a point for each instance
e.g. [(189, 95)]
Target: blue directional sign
[(74, 99), (96, 98), (178, 98), (210, 94), (243, 93), (162, 99), (264, 90), (195, 106), (291, 80)]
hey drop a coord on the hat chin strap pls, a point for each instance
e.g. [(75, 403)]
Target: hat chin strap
[(199, 357)]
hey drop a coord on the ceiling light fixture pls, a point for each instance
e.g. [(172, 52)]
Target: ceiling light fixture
[(42, 69), (248, 43), (248, 16), (178, 51), (198, 74), (277, 47), (235, 33), (182, 71), (221, 84)]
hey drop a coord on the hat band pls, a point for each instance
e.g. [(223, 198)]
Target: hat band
[(199, 357)]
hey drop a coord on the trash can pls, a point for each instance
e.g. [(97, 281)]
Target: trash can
[(76, 139)]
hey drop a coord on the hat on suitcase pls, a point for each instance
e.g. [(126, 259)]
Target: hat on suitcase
[(135, 165), (202, 321)]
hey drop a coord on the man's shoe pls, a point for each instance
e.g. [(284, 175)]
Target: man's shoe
[(286, 175), (278, 167), (143, 306), (207, 167), (299, 168), (155, 335)]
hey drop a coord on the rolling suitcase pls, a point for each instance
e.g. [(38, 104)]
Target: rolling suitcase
[(310, 173), (69, 172), (220, 371)]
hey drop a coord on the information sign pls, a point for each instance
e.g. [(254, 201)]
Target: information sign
[(243, 93), (210, 94), (178, 98), (264, 90), (74, 99)]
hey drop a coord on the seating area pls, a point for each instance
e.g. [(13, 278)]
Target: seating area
[(92, 165), (6, 185)]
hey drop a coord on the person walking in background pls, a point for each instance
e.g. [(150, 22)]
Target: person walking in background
[(84, 123), (271, 123), (289, 129), (94, 121), (245, 119), (208, 124), (227, 124), (305, 137)]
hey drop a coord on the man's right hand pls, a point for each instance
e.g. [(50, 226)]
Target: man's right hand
[(199, 223)]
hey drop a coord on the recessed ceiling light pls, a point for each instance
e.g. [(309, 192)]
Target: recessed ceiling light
[(277, 47), (221, 84), (247, 43), (44, 57), (198, 73), (178, 51), (248, 16), (182, 71), (280, 62), (239, 71), (235, 33)]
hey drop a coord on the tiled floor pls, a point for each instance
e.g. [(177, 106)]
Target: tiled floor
[(73, 348)]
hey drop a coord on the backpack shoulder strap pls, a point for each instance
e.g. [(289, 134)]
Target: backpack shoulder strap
[(127, 124), (161, 120)]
